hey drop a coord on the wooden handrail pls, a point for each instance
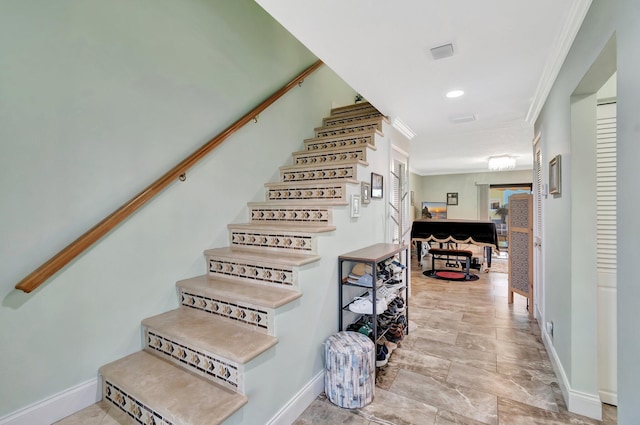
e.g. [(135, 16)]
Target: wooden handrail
[(75, 248)]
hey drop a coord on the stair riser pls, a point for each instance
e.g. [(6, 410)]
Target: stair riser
[(299, 193), (366, 139), (214, 368), (357, 108), (291, 215), (256, 318), (320, 173), (358, 153), (289, 242), (328, 132), (333, 121), (132, 407), (255, 272)]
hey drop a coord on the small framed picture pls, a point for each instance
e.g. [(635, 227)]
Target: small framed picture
[(555, 178), (355, 206), (365, 192), (452, 198), (413, 201), (376, 185)]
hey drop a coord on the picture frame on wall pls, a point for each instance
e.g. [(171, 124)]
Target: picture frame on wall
[(452, 198), (365, 192), (376, 185), (555, 177)]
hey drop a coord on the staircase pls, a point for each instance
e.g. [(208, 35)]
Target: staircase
[(191, 370)]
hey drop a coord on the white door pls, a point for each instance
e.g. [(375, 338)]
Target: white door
[(607, 253), (538, 266)]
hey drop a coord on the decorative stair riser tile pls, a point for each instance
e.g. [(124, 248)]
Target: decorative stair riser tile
[(366, 139), (293, 193), (326, 132), (299, 243), (318, 157), (281, 276), (210, 366), (132, 407), (291, 215), (342, 172), (252, 317)]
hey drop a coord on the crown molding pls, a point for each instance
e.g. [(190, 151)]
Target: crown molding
[(557, 55)]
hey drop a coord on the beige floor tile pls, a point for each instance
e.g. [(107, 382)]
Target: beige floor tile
[(533, 393), (480, 359), (399, 410), (464, 401)]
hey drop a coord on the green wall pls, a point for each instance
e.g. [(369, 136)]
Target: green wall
[(97, 100)]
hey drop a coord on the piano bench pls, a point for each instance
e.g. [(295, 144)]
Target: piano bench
[(457, 254)]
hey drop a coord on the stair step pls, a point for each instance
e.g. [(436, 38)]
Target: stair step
[(152, 390), (357, 138), (354, 108), (281, 212), (350, 118), (368, 124), (246, 304), (202, 343), (277, 236), (266, 267), (308, 191), (241, 292), (299, 173), (325, 157)]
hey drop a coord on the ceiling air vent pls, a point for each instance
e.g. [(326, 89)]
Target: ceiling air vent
[(442, 52), (459, 119)]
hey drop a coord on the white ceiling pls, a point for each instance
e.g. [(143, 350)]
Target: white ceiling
[(507, 53)]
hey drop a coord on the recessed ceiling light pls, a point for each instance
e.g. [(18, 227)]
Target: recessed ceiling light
[(455, 93)]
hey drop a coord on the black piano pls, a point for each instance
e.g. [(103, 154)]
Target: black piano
[(475, 232)]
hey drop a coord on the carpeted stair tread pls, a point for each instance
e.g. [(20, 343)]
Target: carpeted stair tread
[(283, 228), (249, 255), (240, 291), (206, 332), (176, 395)]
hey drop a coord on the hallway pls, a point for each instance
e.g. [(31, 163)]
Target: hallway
[(472, 359)]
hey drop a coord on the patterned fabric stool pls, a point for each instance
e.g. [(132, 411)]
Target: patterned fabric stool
[(350, 360)]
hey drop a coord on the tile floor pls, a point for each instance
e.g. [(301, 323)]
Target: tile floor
[(472, 359)]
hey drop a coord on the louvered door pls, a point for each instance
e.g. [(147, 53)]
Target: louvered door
[(607, 255)]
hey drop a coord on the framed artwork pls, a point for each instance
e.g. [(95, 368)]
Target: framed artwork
[(555, 178), (435, 210), (376, 185), (452, 198), (355, 206), (413, 201), (365, 192)]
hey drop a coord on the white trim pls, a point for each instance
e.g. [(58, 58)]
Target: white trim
[(609, 397), (294, 408), (556, 58), (577, 402), (56, 407)]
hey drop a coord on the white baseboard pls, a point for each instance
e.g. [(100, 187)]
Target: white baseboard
[(294, 408), (577, 402), (609, 397), (56, 407)]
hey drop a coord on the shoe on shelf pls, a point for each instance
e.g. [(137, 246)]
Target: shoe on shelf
[(365, 306), (394, 284), (391, 346), (382, 355)]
